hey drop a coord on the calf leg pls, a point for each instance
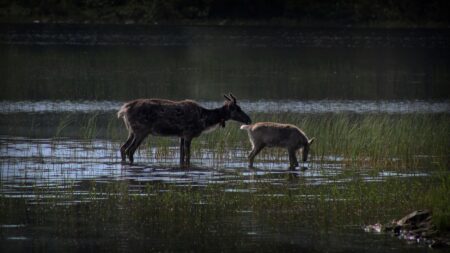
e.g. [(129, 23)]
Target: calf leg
[(253, 153), (292, 158), (124, 147)]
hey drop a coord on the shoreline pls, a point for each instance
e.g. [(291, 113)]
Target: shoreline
[(226, 35), (236, 23)]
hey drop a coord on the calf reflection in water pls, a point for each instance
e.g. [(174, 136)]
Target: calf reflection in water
[(270, 134), (185, 119)]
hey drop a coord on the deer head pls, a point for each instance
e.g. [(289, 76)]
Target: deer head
[(235, 110)]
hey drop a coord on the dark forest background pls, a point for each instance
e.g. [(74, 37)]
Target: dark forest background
[(384, 13)]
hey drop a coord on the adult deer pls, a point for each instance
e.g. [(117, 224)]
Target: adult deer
[(185, 119)]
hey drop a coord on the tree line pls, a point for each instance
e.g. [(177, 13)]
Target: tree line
[(302, 12)]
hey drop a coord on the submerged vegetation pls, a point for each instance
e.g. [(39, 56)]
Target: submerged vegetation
[(195, 213)]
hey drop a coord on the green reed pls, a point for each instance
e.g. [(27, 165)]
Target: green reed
[(89, 129), (65, 122)]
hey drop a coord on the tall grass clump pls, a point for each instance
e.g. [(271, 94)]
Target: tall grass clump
[(381, 139)]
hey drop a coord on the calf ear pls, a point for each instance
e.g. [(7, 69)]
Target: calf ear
[(311, 141)]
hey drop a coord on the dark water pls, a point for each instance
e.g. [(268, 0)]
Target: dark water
[(125, 62), (57, 74)]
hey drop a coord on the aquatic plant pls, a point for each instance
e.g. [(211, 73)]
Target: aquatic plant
[(65, 121), (89, 129)]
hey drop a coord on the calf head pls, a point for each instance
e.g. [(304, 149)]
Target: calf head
[(305, 149)]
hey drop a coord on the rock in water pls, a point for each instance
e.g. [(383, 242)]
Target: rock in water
[(415, 218), (416, 226)]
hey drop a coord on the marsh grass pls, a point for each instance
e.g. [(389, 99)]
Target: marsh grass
[(89, 129), (378, 140), (375, 140), (405, 141), (65, 122), (365, 144)]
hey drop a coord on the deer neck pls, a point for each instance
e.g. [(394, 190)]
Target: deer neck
[(216, 116)]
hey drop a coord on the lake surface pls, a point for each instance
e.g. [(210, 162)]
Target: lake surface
[(68, 62), (56, 76)]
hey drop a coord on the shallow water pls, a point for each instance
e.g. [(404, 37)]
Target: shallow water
[(47, 170), (43, 170), (34, 162)]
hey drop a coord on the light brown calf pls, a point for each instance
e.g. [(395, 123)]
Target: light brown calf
[(270, 134)]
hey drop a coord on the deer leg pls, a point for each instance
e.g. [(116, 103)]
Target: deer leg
[(124, 147), (292, 159), (181, 151), (253, 153), (138, 138), (127, 150), (187, 152)]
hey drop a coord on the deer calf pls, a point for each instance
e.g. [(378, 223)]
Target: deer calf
[(270, 134)]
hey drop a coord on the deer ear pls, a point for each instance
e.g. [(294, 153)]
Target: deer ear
[(225, 96), (311, 141), (234, 99)]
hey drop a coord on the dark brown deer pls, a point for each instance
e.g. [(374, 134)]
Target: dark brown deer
[(185, 119), (270, 134)]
